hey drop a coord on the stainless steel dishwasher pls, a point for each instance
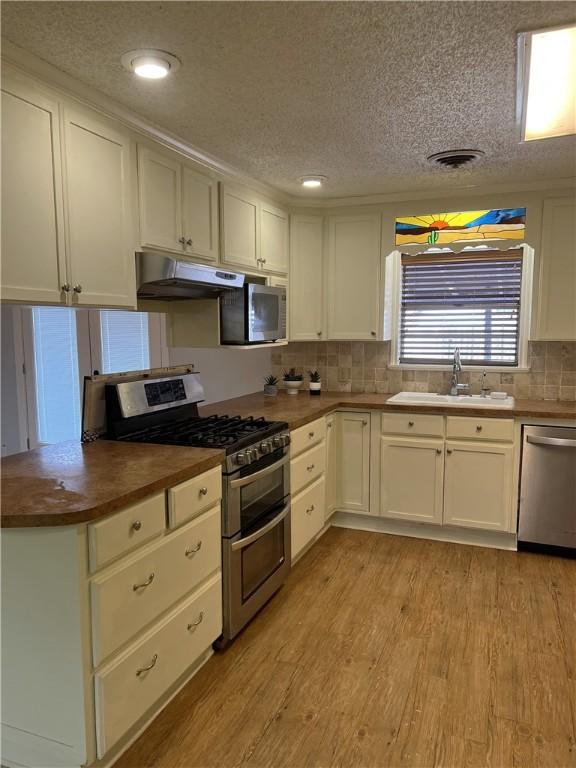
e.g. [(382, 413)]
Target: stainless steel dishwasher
[(547, 512)]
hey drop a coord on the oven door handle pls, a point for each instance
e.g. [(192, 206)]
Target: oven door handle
[(237, 545), (242, 481)]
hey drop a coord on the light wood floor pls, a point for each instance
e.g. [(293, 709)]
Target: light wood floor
[(385, 651)]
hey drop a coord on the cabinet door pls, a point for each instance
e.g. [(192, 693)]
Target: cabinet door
[(353, 277), (200, 214), (33, 256), (306, 277), (99, 222), (273, 239), (331, 464), (557, 279), (478, 485), (411, 475), (354, 462), (240, 225), (160, 192)]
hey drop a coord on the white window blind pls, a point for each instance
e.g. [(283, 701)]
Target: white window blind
[(125, 341), (57, 378), (465, 300)]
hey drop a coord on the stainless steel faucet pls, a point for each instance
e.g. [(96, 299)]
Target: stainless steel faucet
[(455, 387), (484, 388)]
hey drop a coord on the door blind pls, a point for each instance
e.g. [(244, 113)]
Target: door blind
[(467, 300), (125, 341)]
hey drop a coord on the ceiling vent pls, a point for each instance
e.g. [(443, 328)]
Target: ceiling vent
[(456, 158)]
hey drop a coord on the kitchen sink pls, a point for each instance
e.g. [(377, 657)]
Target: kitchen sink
[(457, 401)]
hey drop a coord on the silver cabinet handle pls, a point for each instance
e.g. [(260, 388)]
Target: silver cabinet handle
[(263, 261), (410, 423), (182, 240), (559, 441), (193, 624), (448, 451), (478, 428), (439, 450), (318, 333), (329, 425), (373, 333), (193, 550), (203, 491), (149, 667), (189, 241), (136, 525), (78, 288), (364, 423), (144, 584), (310, 510), (310, 467), (310, 435), (66, 287)]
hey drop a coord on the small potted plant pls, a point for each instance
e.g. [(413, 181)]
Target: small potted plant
[(270, 386), (292, 381), (315, 382)]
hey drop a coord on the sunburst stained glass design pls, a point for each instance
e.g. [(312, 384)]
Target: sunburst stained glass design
[(441, 228)]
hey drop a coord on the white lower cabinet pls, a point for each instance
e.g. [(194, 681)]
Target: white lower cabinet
[(478, 485), (331, 464), (411, 477), (354, 462), (307, 515)]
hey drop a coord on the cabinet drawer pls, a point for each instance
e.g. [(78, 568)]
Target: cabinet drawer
[(187, 500), (420, 424), (307, 515), (480, 429), (307, 436), (127, 598), (118, 534), (124, 691), (307, 467)]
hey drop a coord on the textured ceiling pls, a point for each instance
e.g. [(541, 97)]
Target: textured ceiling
[(361, 92)]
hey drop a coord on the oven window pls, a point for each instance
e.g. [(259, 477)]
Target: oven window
[(261, 559), (260, 496), (265, 312)]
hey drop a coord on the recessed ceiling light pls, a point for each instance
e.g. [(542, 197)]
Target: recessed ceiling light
[(151, 64), (312, 181), (547, 83)]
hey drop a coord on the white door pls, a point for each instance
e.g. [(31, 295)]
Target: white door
[(240, 225), (99, 222), (33, 254), (160, 194), (331, 464), (306, 278), (354, 462), (354, 277), (200, 214), (273, 239), (478, 485), (557, 281), (411, 475)]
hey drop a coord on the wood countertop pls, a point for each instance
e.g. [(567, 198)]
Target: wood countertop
[(299, 409), (70, 483)]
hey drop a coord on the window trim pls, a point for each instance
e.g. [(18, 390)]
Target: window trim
[(393, 303)]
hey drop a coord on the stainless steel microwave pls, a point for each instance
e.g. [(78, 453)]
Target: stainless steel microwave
[(253, 314)]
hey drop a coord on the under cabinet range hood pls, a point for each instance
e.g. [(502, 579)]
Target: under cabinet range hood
[(164, 278)]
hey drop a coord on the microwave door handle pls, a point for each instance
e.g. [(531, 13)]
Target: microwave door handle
[(554, 441), (242, 481), (261, 531)]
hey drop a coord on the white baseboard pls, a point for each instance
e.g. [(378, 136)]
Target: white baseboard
[(472, 536)]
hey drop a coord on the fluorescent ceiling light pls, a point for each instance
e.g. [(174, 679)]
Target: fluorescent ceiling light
[(150, 64), (312, 181), (547, 83)]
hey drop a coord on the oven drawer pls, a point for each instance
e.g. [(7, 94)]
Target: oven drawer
[(189, 499), (307, 515), (480, 429), (307, 468), (127, 598), (421, 424), (171, 647), (123, 531), (307, 436)]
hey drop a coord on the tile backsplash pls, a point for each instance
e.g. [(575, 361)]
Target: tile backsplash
[(363, 367)]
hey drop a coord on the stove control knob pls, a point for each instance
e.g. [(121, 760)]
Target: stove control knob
[(266, 446), (277, 442), (242, 458), (253, 453)]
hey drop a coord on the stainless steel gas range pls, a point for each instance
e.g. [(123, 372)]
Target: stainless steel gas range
[(256, 553)]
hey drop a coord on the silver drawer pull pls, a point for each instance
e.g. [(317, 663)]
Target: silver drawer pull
[(310, 435), (192, 626), (144, 584), (149, 667), (410, 423), (310, 467), (136, 525), (478, 428), (449, 451), (310, 510), (193, 550), (203, 491)]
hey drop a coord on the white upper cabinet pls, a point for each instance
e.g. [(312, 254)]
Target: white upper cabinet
[(33, 253), (178, 207), (306, 278), (99, 220), (556, 311), (240, 228), (273, 239), (353, 306)]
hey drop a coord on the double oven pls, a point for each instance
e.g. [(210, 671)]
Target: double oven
[(255, 531)]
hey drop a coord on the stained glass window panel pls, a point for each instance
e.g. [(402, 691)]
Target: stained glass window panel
[(458, 226)]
